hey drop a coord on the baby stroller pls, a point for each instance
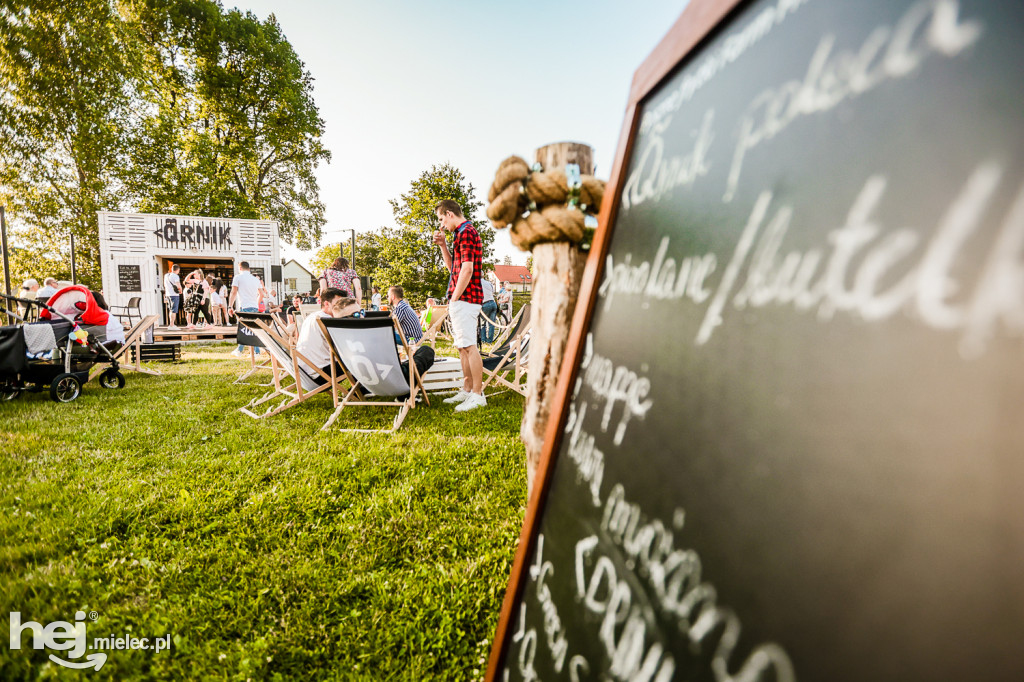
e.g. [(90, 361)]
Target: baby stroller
[(59, 350)]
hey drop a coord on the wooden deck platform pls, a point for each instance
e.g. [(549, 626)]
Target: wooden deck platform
[(208, 333)]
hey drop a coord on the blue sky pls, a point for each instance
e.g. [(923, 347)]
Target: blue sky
[(404, 85)]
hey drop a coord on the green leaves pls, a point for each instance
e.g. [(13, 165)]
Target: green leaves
[(65, 99), (169, 106)]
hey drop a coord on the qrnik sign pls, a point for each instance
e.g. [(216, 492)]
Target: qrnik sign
[(199, 234)]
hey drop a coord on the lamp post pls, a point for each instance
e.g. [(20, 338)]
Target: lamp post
[(3, 245), (523, 283), (341, 247)]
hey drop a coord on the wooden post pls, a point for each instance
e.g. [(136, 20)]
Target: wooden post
[(557, 272)]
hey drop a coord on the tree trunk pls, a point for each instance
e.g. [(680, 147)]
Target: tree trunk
[(557, 272)]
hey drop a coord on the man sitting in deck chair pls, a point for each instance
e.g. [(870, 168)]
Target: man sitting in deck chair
[(308, 374), (311, 342), (365, 347)]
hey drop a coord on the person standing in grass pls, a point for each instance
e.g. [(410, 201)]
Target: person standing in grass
[(245, 288), (341, 276), (172, 291), (465, 296), (489, 309)]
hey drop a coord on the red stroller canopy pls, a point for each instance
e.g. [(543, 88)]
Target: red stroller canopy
[(78, 303)]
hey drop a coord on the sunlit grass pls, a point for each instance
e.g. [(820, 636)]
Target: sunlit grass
[(267, 549)]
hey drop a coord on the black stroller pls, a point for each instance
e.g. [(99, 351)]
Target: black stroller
[(58, 351)]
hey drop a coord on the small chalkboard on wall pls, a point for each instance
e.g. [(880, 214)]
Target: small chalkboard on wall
[(129, 278), (790, 442)]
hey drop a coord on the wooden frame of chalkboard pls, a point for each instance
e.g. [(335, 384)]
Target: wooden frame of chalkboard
[(855, 385), (697, 21)]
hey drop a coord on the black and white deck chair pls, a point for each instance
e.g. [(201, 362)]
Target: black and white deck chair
[(292, 379), (506, 364), (514, 328), (245, 337), (367, 349)]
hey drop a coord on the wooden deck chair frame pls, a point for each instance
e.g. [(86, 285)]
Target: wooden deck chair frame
[(511, 350), (360, 368), (255, 365), (439, 313), (132, 338), (510, 370), (514, 328), (285, 362)]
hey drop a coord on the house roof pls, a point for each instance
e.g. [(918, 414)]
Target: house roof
[(511, 273), (292, 260)]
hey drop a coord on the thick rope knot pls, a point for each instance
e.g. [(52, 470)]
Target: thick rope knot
[(540, 206)]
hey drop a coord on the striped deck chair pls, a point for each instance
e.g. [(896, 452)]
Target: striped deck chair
[(366, 348), (292, 379)]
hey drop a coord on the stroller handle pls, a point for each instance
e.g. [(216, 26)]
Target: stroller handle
[(27, 301), (42, 304)]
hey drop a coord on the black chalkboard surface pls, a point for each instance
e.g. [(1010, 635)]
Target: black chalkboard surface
[(792, 440), (129, 278)]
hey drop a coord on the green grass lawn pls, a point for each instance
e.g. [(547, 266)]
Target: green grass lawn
[(267, 549)]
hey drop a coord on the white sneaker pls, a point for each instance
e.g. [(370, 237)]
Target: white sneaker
[(458, 397), (237, 353), (173, 328), (474, 401)]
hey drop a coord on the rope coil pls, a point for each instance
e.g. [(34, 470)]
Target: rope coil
[(541, 206)]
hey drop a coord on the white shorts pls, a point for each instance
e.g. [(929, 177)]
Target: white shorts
[(464, 317)]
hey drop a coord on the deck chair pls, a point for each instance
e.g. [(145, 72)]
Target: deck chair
[(515, 328), (295, 381), (506, 365), (366, 348), (263, 360), (134, 337), (438, 314)]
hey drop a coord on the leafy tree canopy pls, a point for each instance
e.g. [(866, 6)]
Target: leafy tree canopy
[(66, 74), (408, 254), (168, 106)]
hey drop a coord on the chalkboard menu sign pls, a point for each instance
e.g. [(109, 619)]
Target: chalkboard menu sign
[(129, 278), (791, 442), (258, 272)]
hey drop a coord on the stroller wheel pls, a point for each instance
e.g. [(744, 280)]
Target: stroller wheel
[(111, 378), (65, 388)]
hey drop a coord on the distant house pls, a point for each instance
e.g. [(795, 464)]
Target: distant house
[(297, 279), (518, 276)]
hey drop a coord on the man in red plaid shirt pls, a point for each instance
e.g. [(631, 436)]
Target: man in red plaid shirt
[(465, 261)]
